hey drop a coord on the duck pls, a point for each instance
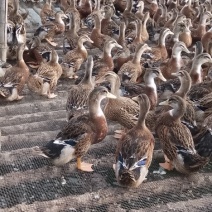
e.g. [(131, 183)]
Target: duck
[(188, 10), (203, 138), (135, 150), (14, 79), (77, 101), (85, 8), (207, 40), (176, 139), (196, 72), (47, 12), (74, 140), (71, 8), (97, 37), (120, 5), (148, 87), (131, 70), (105, 64), (199, 90), (170, 23), (151, 6), (37, 53), (140, 9), (45, 80), (14, 14), (56, 27), (89, 21), (122, 109), (189, 117), (70, 35), (185, 35), (128, 16), (72, 60), (108, 26), (159, 22), (198, 33), (122, 55), (159, 52), (175, 62)]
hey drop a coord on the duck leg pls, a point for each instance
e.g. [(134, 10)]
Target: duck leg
[(84, 166), (51, 42), (167, 165), (15, 95)]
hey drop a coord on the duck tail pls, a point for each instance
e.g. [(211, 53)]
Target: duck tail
[(6, 89), (203, 143), (35, 83), (192, 160), (126, 177), (38, 151)]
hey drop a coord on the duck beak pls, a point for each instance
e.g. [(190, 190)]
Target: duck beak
[(175, 74), (111, 96), (186, 50), (171, 33), (162, 77), (90, 41), (164, 102), (119, 46), (135, 98), (65, 16)]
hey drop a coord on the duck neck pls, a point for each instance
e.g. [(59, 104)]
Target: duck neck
[(140, 11), (146, 17), (137, 56), (184, 87), (138, 38), (196, 71), (16, 7), (81, 46), (150, 82), (72, 28), (107, 51), (98, 120), (87, 79), (203, 20), (20, 54), (20, 60), (95, 109), (177, 113), (115, 85), (97, 5), (162, 39), (142, 117), (72, 4), (97, 24), (59, 20), (121, 39), (64, 4), (129, 5), (176, 53)]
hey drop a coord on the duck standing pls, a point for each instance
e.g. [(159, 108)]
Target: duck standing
[(74, 140), (135, 150)]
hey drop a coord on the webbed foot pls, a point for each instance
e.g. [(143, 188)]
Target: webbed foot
[(51, 95), (86, 167)]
